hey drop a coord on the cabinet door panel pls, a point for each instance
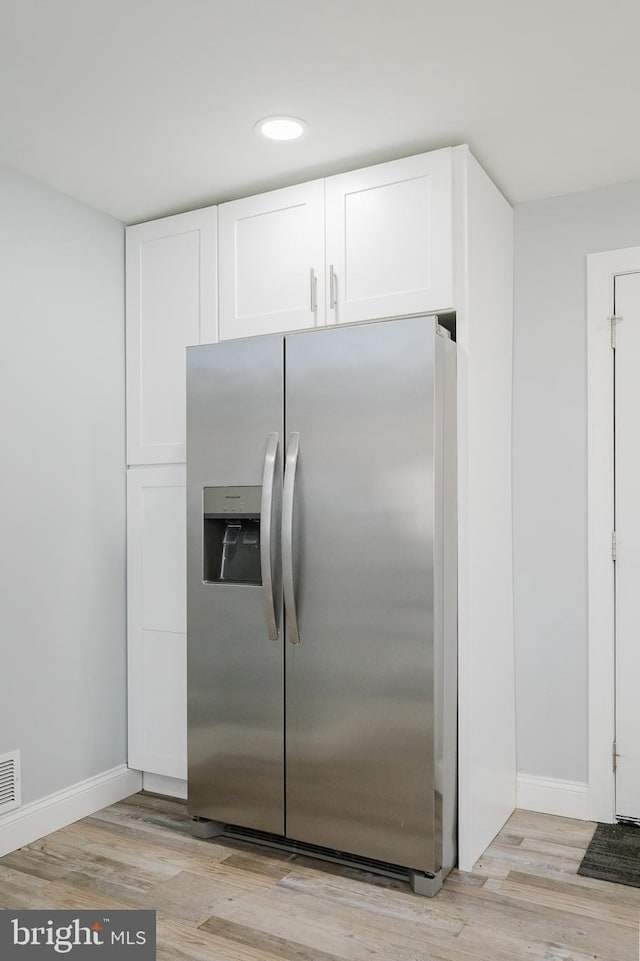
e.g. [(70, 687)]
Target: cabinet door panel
[(171, 304), (164, 704), (269, 245), (389, 239), (156, 581)]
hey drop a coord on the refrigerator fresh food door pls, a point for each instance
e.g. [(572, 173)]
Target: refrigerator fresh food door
[(234, 645), (358, 546)]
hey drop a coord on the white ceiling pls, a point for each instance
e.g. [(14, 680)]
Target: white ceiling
[(146, 107)]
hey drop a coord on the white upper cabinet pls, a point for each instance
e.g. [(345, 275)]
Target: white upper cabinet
[(271, 263), (389, 239), (171, 304)]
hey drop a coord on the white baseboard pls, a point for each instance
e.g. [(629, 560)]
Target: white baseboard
[(35, 820), (547, 795), (159, 784)]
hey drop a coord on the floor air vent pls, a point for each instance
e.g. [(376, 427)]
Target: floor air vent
[(9, 781)]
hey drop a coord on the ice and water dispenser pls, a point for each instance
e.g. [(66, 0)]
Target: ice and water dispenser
[(231, 552)]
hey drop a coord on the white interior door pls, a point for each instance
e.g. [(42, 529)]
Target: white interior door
[(627, 524)]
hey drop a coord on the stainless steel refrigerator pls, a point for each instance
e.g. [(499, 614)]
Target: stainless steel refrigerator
[(322, 593)]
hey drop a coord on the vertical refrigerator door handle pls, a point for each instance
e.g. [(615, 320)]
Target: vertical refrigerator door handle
[(266, 523), (332, 287), (291, 464)]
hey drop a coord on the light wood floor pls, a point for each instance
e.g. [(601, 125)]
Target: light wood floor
[(233, 902)]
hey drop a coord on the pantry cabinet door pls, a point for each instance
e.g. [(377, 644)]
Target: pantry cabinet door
[(156, 585), (389, 239), (171, 274), (271, 262)]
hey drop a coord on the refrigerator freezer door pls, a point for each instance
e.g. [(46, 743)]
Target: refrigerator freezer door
[(235, 668), (359, 685)]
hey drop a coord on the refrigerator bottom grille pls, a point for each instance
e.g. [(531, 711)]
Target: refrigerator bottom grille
[(384, 868)]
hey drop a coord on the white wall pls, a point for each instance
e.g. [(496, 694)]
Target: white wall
[(552, 239), (62, 506)]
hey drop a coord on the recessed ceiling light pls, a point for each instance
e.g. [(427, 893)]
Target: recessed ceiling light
[(281, 128)]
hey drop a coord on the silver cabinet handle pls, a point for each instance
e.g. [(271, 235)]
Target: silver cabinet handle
[(332, 288), (291, 463), (266, 523), (313, 283)]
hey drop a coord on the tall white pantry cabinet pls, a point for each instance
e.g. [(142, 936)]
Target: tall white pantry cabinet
[(171, 274), (424, 234)]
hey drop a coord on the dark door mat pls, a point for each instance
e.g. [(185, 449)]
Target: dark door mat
[(614, 854)]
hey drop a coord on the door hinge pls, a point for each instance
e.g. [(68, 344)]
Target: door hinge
[(614, 320), (614, 546), (615, 757)]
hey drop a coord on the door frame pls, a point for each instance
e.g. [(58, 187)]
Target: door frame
[(602, 269)]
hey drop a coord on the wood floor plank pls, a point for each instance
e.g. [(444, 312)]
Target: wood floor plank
[(547, 827), (503, 856), (258, 864), (105, 862), (270, 943), (594, 891), (127, 889), (37, 861), (193, 897), (19, 890), (64, 896), (401, 906), (485, 942), (148, 854), (570, 852), (336, 925), (135, 817), (608, 906), (165, 840), (482, 909), (179, 942)]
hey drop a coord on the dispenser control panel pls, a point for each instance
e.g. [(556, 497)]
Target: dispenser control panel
[(232, 500)]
